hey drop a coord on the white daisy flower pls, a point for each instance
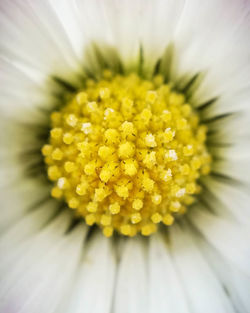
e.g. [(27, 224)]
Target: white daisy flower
[(125, 156)]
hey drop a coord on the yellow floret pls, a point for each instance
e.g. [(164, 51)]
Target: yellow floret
[(150, 141), (147, 184), (73, 203), (69, 166), (104, 93), (56, 133), (89, 168), (90, 219), (146, 115), (130, 167), (68, 138), (166, 116), (105, 152), (135, 218), (168, 219), (111, 136), (106, 220), (128, 130), (105, 175), (81, 98), (181, 123), (100, 194), (148, 229), (47, 150), (54, 173), (191, 188), (108, 231), (114, 208), (122, 191), (71, 120), (168, 134), (81, 189), (92, 207), (156, 218), (56, 192), (150, 159), (185, 169), (63, 183), (166, 175), (125, 229), (92, 107), (57, 154), (137, 204), (188, 150), (151, 96), (156, 199), (126, 150)]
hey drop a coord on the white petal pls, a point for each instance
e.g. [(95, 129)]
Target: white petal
[(27, 226), (147, 24), (230, 239), (131, 292), (158, 24), (93, 288), (112, 22), (20, 197), (83, 22), (207, 40), (229, 140), (237, 284), (36, 34), (41, 287), (166, 293), (204, 290), (16, 92), (234, 169), (228, 201), (18, 258)]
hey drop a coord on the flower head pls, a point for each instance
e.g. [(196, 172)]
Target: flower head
[(132, 116)]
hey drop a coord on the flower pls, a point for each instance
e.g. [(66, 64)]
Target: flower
[(57, 54)]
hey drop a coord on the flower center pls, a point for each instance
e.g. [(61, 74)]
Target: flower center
[(125, 153)]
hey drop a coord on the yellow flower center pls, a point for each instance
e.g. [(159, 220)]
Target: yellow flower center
[(125, 153)]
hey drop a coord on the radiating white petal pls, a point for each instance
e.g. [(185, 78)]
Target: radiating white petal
[(131, 291), (16, 89), (33, 26), (41, 287), (229, 138), (27, 226), (234, 103), (83, 22), (20, 257), (93, 288), (204, 290), (13, 260), (230, 239), (235, 169), (159, 21), (17, 199), (208, 40), (236, 284), (166, 293), (119, 21), (147, 24), (229, 201)]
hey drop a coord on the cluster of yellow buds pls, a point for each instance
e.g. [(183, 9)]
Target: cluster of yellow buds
[(126, 153)]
